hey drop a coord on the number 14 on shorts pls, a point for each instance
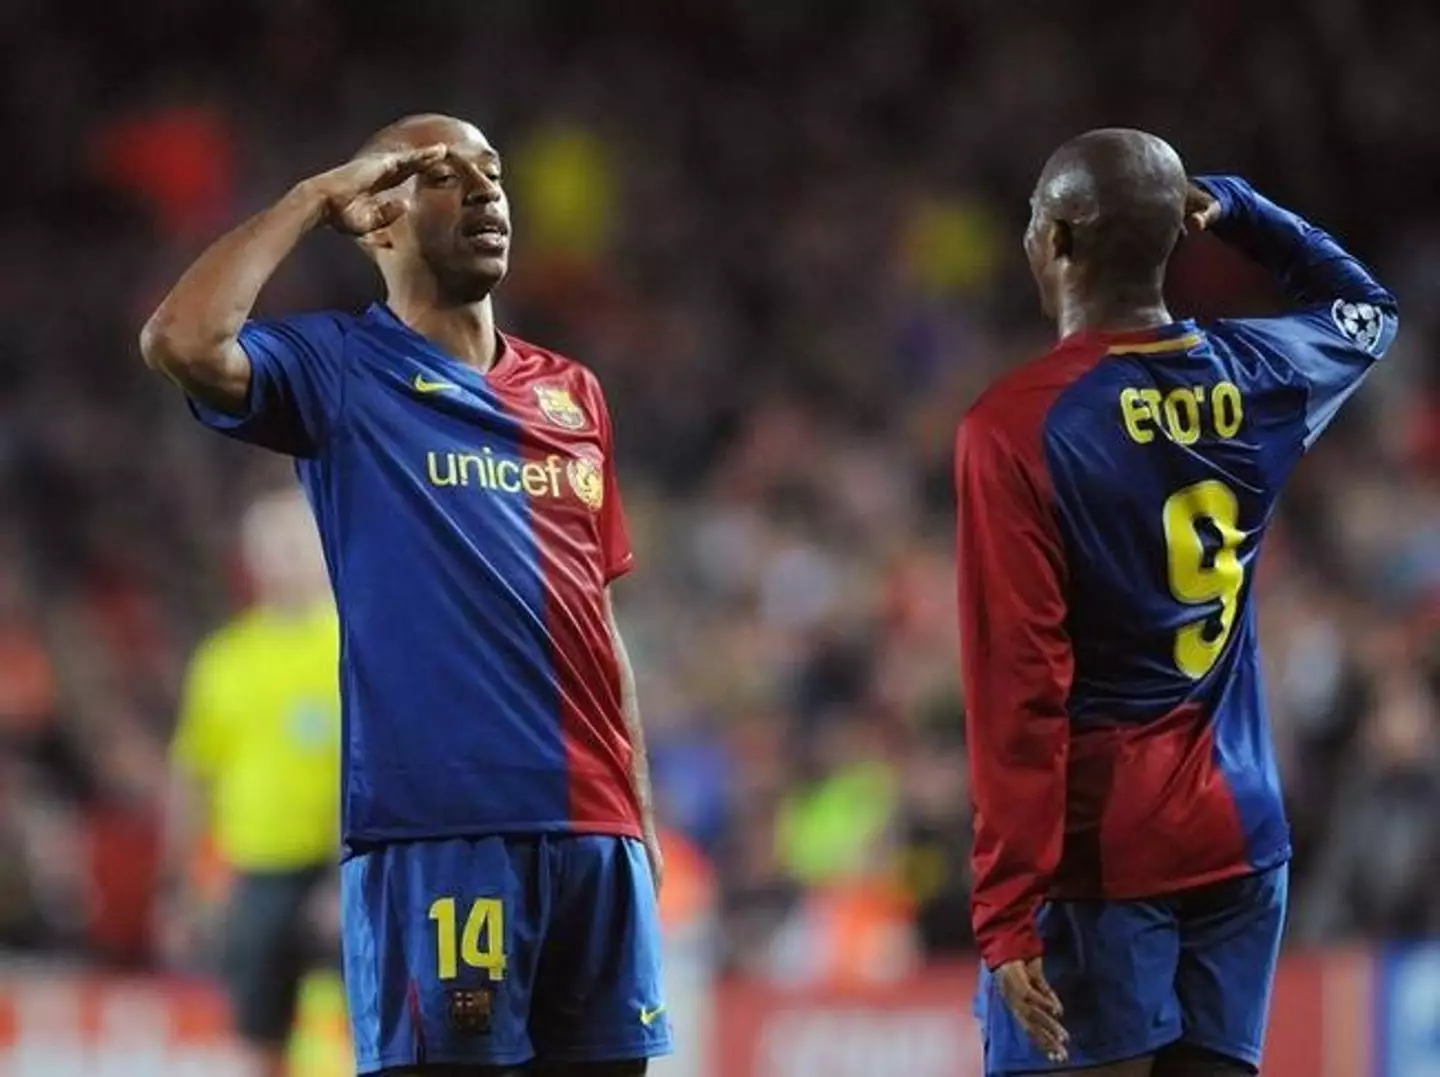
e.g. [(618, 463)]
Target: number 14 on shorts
[(480, 943)]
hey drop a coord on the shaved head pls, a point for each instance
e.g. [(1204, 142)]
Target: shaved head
[(421, 129), (452, 234), (1120, 194)]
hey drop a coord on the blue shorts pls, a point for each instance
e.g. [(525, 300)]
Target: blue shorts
[(495, 951), (1136, 976)]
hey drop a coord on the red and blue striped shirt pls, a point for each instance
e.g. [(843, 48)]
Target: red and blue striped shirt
[(471, 522), (1113, 499)]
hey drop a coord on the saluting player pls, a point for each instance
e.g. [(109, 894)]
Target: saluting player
[(1130, 840), (499, 887)]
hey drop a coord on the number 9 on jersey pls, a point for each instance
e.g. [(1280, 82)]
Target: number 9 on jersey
[(1202, 542)]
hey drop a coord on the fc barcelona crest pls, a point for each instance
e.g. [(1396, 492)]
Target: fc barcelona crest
[(560, 407), (470, 1010)]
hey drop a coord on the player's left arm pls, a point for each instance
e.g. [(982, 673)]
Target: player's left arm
[(1344, 318), (640, 765)]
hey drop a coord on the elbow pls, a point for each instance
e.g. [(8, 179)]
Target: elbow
[(171, 348), (155, 343), (162, 345)]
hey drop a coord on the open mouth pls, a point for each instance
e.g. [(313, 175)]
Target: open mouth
[(486, 234)]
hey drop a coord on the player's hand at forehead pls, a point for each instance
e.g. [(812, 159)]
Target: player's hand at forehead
[(1202, 209), (358, 194)]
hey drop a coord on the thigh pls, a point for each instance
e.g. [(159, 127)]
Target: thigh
[(1229, 947), (441, 946), (1131, 1067), (1113, 965), (264, 953), (599, 996), (634, 1067), (1182, 1060)]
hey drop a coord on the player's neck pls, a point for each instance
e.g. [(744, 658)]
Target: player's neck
[(1111, 314), (465, 331)]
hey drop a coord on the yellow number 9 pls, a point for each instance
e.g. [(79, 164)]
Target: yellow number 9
[(1196, 581)]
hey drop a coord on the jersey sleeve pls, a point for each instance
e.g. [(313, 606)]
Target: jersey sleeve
[(199, 744), (1016, 670), (615, 548), (296, 385), (1344, 318)]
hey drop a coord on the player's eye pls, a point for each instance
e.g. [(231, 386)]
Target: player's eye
[(442, 179)]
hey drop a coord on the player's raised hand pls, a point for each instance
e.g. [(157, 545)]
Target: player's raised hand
[(1202, 209), (355, 192), (1035, 1006)]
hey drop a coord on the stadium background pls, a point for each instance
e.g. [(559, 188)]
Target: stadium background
[(786, 236)]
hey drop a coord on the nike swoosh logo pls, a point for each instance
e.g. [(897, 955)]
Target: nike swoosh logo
[(423, 384), (649, 1017)]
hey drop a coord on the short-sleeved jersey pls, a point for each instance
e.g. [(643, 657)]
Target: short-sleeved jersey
[(471, 523), (260, 727), (1113, 499)]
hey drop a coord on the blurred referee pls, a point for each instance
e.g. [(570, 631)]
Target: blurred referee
[(255, 767)]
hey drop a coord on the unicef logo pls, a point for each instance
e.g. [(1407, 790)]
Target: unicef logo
[(1360, 322)]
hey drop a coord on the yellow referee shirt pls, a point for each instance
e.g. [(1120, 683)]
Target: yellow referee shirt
[(260, 727)]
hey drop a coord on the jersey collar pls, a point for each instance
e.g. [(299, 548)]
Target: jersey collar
[(1170, 338)]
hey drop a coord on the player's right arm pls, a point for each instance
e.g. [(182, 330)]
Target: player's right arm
[(195, 335), (1016, 667), (1344, 319)]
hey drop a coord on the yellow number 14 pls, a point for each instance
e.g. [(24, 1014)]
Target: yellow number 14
[(1196, 579), (481, 944)]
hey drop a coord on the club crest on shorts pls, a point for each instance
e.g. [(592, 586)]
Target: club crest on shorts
[(1361, 322), (560, 408), (587, 480), (469, 1010)]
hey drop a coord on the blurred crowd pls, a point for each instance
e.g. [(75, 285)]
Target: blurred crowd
[(786, 237)]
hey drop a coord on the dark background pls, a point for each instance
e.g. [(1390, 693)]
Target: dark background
[(786, 235)]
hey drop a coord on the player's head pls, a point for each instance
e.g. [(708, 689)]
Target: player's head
[(281, 551), (455, 232), (1106, 215)]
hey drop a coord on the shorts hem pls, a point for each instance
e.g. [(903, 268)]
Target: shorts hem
[(409, 1061), (1244, 1055), (1091, 1059), (613, 1052)]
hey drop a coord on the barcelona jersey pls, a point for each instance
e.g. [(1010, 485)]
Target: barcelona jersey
[(1114, 497), (471, 523)]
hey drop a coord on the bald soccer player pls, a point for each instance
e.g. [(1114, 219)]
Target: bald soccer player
[(500, 862), (1130, 841)]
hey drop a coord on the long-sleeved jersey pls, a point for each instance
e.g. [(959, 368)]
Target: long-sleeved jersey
[(1113, 498)]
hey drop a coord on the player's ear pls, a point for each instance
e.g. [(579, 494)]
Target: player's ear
[(1061, 240)]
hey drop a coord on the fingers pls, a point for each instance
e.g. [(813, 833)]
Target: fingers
[(366, 215), (1036, 1006), (399, 165), (413, 160), (386, 211), (1047, 1033), (1201, 209), (1046, 993)]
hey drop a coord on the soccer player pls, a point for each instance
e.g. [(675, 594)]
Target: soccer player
[(1130, 842), (256, 763), (501, 867)]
